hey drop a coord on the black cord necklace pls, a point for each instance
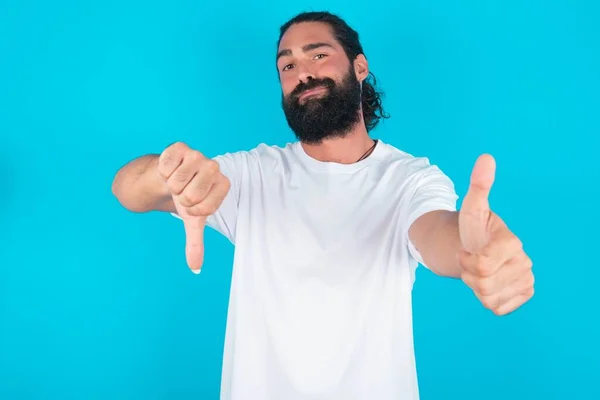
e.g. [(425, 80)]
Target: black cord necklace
[(368, 152)]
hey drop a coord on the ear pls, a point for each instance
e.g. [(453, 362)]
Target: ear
[(361, 67)]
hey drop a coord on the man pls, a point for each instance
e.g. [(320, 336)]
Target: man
[(328, 232)]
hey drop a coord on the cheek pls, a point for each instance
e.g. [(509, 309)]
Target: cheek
[(328, 69), (332, 68), (288, 84)]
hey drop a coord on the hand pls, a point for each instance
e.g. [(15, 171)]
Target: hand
[(492, 259), (198, 188)]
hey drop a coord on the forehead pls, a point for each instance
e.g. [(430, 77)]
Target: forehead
[(307, 32)]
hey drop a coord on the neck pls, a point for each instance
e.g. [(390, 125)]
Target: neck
[(344, 150)]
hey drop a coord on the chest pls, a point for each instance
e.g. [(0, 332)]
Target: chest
[(320, 221)]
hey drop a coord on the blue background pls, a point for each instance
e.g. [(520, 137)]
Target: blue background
[(97, 302)]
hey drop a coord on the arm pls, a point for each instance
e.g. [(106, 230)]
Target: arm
[(476, 246), (435, 235), (138, 187), (181, 181)]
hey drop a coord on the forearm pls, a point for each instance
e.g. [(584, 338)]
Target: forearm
[(440, 242), (138, 187)]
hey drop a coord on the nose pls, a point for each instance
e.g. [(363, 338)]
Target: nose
[(305, 73)]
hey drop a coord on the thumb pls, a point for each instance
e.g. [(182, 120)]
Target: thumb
[(475, 210), (482, 179), (194, 242)]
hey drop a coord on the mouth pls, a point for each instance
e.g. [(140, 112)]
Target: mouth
[(312, 92)]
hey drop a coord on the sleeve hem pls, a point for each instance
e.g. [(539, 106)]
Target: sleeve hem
[(441, 206)]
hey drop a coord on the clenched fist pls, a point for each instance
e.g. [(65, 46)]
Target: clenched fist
[(198, 188)]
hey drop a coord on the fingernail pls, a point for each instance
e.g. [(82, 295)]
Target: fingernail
[(196, 271)]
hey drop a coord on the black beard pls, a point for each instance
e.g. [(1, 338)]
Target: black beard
[(333, 114)]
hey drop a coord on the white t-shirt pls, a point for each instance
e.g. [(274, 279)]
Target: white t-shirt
[(320, 303)]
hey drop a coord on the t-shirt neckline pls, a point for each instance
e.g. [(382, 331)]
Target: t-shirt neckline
[(330, 166)]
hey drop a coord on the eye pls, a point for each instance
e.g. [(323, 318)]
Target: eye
[(321, 55), (287, 67)]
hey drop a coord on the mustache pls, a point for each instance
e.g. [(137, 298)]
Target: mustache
[(311, 84)]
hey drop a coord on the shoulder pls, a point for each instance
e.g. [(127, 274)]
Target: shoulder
[(262, 157), (413, 174), (407, 163), (265, 151)]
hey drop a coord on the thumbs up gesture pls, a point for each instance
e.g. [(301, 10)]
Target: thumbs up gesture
[(492, 259), (198, 188)]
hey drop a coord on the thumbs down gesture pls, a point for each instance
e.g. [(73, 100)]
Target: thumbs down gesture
[(198, 188)]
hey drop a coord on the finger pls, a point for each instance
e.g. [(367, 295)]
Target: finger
[(476, 200), (475, 215), (194, 242), (200, 185), (508, 297), (507, 275), (477, 265), (170, 159), (514, 303), (502, 246), (211, 203), (183, 175)]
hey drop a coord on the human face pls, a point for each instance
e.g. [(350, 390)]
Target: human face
[(321, 88)]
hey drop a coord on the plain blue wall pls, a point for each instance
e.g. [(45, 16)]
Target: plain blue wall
[(97, 302)]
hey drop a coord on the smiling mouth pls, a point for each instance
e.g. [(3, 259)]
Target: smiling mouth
[(311, 92)]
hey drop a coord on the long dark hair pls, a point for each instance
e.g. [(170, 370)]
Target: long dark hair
[(348, 38)]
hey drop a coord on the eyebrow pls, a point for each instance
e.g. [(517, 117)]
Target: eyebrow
[(305, 48)]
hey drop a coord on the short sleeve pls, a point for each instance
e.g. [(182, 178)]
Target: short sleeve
[(224, 220), (432, 191)]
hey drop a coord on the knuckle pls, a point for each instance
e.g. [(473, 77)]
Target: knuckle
[(529, 292), (171, 155), (164, 160), (176, 183), (226, 183), (202, 185), (190, 197), (211, 167), (482, 267), (173, 151), (193, 212), (488, 250), (194, 156), (488, 302), (484, 288), (204, 209), (529, 282), (497, 311), (178, 147), (528, 262), (515, 242), (186, 200), (174, 186), (531, 279), (162, 171)]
